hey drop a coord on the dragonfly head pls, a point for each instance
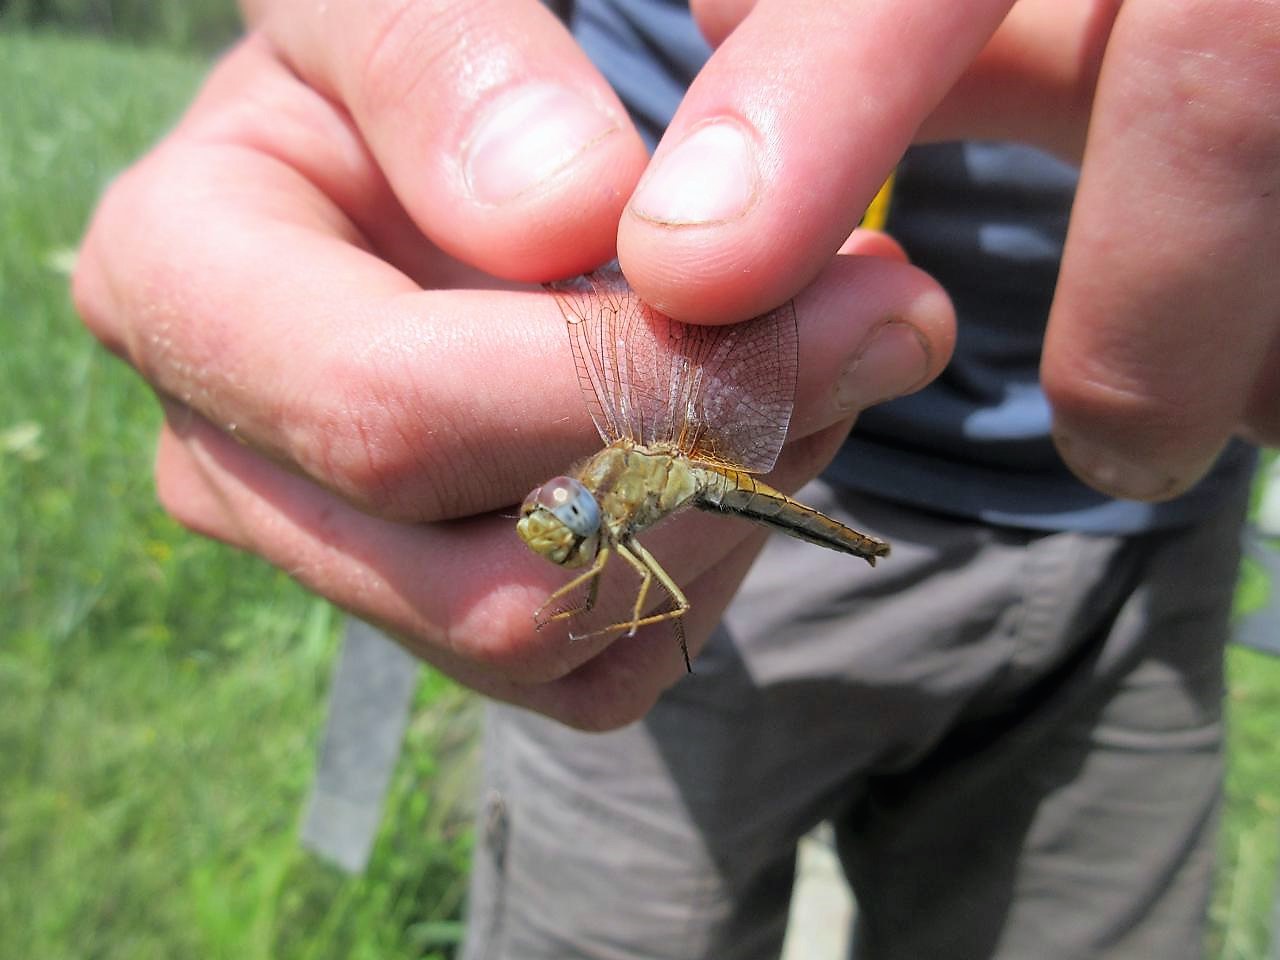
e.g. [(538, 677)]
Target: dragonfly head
[(561, 521)]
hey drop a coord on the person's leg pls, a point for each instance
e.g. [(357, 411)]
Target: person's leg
[(600, 846), (675, 837), (1070, 810)]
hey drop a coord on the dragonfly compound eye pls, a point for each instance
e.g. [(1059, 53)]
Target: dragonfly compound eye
[(569, 502)]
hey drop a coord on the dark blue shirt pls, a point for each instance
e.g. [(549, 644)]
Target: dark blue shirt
[(988, 220)]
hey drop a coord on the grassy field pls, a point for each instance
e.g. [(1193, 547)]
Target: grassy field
[(160, 696)]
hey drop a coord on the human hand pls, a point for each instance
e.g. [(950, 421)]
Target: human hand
[(1164, 337), (304, 271)]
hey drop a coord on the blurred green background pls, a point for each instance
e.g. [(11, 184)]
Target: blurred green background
[(161, 696), (185, 26)]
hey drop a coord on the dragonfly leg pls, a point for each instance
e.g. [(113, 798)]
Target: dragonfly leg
[(590, 576), (649, 569), (677, 627), (679, 602), (646, 581)]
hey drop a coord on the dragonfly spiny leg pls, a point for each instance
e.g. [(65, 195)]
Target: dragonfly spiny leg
[(649, 569), (679, 602), (591, 576), (646, 581)]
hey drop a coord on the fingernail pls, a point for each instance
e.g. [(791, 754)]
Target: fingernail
[(710, 176), (893, 361), (527, 137), (1115, 474)]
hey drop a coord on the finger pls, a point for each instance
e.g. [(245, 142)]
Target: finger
[(234, 269), (460, 595), (248, 296), (871, 329), (288, 142), (781, 142), (874, 243), (432, 585), (1167, 303), (717, 19), (499, 137), (1033, 82)]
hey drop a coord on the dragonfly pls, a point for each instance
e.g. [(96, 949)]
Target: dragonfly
[(690, 416)]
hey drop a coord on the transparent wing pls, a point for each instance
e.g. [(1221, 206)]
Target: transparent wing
[(720, 393)]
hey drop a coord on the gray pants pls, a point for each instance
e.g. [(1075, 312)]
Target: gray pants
[(1017, 737)]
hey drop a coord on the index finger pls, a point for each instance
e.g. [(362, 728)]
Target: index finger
[(498, 136), (781, 142)]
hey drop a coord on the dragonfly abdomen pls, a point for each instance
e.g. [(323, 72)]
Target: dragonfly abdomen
[(733, 492)]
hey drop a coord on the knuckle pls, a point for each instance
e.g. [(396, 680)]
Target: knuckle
[(364, 452), (129, 282), (92, 293), (1129, 409), (380, 441)]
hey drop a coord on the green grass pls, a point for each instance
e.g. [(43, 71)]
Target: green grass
[(160, 696), (1243, 909), (203, 26), (1243, 906)]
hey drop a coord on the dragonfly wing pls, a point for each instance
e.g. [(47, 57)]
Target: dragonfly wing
[(722, 393), (741, 401), (598, 315)]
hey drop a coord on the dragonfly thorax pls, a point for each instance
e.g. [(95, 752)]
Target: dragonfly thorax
[(561, 521)]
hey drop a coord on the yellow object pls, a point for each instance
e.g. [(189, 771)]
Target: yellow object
[(877, 214)]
